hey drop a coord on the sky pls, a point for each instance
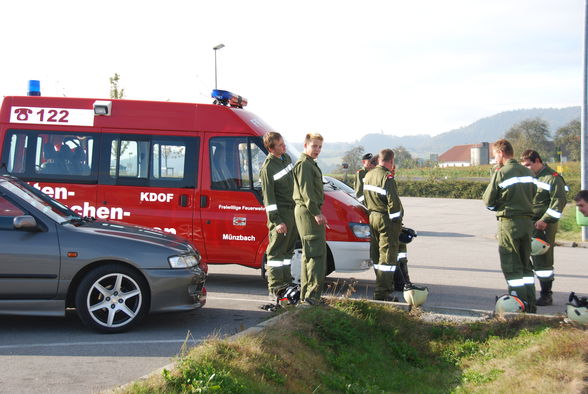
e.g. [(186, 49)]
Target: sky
[(340, 68)]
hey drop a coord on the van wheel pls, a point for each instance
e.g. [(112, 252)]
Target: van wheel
[(112, 298)]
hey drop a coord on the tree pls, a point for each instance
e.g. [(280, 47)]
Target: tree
[(567, 139), (530, 134), (403, 158), (115, 91), (353, 157)]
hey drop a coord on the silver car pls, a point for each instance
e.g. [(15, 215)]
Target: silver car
[(51, 259)]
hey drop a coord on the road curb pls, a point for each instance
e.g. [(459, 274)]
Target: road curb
[(440, 310), (570, 244)]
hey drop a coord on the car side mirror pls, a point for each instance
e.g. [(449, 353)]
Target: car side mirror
[(25, 222)]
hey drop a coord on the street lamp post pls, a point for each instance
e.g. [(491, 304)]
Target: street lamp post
[(216, 48)]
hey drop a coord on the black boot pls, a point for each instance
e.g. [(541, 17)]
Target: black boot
[(545, 298)]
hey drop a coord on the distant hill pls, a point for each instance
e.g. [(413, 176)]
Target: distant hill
[(486, 129)]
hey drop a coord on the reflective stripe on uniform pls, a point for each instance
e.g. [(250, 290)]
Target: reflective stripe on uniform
[(395, 215), (287, 262), (402, 255), (529, 280), (361, 198), (375, 189), (514, 180), (285, 171), (271, 208), (275, 263), (553, 213), (544, 274), (516, 282), (383, 267), (542, 185)]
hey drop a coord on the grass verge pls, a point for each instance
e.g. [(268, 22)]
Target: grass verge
[(362, 347), (568, 229)]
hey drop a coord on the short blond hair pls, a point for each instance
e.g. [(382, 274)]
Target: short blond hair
[(312, 136)]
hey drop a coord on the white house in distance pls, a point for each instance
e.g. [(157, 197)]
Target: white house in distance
[(466, 155)]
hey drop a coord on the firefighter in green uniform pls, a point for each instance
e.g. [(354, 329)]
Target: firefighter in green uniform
[(309, 197), (366, 161), (277, 185), (383, 203), (548, 204), (510, 194)]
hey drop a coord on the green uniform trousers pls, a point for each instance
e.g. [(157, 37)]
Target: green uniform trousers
[(543, 264), (401, 274), (514, 247), (280, 251), (384, 246), (313, 266)]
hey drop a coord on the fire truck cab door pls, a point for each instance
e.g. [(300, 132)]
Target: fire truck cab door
[(232, 213)]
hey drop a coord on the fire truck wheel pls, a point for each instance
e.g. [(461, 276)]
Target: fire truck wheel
[(112, 298)]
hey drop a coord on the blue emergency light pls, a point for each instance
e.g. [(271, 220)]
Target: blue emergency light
[(223, 97), (34, 88)]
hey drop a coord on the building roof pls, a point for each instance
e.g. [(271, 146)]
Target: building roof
[(459, 153)]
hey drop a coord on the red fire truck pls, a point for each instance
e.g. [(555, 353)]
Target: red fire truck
[(186, 169)]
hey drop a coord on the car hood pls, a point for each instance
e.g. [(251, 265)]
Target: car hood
[(136, 233)]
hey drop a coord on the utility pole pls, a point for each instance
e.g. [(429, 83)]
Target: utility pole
[(584, 137)]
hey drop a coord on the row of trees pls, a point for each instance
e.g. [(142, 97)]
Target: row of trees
[(528, 134), (402, 158), (535, 134)]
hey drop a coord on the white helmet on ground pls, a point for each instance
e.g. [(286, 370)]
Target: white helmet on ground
[(509, 304), (577, 309), (414, 295), (539, 246)]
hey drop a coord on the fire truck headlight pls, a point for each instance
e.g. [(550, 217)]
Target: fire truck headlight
[(361, 230), (102, 108), (184, 261)]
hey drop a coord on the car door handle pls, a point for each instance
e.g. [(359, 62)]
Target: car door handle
[(184, 200), (203, 201)]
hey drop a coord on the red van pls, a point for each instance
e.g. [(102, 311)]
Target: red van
[(186, 169)]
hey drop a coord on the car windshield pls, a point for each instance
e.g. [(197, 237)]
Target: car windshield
[(336, 184), (55, 210)]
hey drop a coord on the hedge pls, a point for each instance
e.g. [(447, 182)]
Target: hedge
[(451, 188)]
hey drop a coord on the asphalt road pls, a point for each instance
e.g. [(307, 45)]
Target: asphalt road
[(455, 255)]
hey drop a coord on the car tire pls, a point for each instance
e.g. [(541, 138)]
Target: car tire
[(112, 298)]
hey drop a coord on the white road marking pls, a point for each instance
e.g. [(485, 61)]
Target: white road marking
[(236, 299), (63, 344), (100, 343)]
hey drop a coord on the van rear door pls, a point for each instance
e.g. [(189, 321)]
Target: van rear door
[(232, 214)]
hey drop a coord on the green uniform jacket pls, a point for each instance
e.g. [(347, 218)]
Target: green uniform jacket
[(381, 193), (550, 199), (359, 175), (277, 186), (511, 190), (308, 190)]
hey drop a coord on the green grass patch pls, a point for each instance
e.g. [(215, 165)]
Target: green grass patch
[(361, 347), (568, 229)]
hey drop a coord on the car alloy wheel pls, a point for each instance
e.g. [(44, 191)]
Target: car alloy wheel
[(111, 300)]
